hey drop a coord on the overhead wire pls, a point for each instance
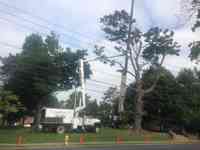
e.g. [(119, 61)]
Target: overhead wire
[(102, 82), (39, 31), (98, 84), (96, 91), (38, 17), (64, 34), (9, 45), (35, 30), (17, 47)]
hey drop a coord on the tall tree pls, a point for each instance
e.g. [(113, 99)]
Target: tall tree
[(41, 69), (161, 106), (108, 107), (145, 49), (190, 87), (194, 9), (190, 13), (73, 100)]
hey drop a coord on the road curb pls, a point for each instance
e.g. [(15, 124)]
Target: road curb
[(88, 144)]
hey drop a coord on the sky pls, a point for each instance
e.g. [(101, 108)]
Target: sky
[(78, 26)]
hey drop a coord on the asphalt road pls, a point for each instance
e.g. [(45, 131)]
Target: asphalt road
[(137, 147)]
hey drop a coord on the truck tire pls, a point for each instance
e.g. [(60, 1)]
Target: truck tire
[(60, 129)]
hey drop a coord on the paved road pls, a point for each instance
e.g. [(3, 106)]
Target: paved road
[(138, 147)]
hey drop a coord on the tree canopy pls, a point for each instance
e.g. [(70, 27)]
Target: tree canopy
[(42, 68), (9, 103), (143, 50)]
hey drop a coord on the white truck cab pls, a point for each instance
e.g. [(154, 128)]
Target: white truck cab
[(63, 120)]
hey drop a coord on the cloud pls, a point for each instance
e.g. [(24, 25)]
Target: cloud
[(163, 13), (10, 35), (80, 28)]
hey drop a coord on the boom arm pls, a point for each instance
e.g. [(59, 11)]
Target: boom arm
[(82, 103)]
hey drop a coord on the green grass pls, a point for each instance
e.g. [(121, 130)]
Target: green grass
[(8, 136)]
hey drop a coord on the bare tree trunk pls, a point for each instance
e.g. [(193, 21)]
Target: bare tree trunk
[(139, 110), (37, 118), (3, 123)]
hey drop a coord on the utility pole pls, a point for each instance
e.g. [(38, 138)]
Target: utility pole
[(124, 72)]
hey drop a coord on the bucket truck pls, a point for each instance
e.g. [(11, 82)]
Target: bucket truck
[(63, 120)]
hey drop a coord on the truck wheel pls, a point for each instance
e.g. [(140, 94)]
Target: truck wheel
[(60, 129)]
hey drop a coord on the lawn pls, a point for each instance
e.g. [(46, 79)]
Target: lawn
[(8, 136)]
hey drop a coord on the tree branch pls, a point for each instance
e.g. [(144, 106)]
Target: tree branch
[(122, 67), (157, 78), (133, 64)]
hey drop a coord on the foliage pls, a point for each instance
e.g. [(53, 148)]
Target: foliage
[(92, 108), (41, 69), (143, 50), (174, 103), (9, 103), (196, 11), (164, 104), (108, 107), (189, 79), (195, 51), (191, 8)]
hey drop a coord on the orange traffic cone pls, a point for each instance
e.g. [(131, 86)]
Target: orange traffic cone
[(147, 139), (95, 139), (119, 140), (19, 140), (81, 139)]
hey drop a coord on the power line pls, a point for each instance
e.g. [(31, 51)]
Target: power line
[(49, 29), (98, 83), (34, 30), (17, 47), (37, 17), (9, 45), (97, 58), (44, 26), (102, 82), (39, 25), (102, 73), (96, 91), (107, 73)]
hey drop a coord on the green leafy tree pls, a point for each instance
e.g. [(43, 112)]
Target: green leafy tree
[(164, 105), (70, 102), (189, 81), (190, 12), (41, 69), (9, 103), (92, 108), (108, 107), (161, 106), (143, 50), (192, 7), (173, 104)]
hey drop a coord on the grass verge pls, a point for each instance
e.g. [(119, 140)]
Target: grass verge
[(8, 136)]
